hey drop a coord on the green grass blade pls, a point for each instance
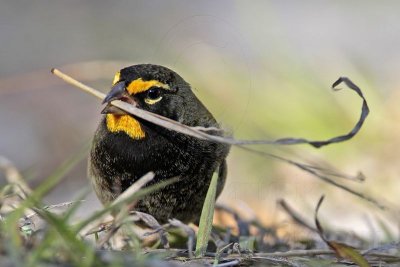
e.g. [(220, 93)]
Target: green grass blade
[(206, 218), (136, 196), (81, 253), (76, 204), (34, 201), (50, 182), (60, 172)]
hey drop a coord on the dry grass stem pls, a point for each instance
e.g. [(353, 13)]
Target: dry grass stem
[(200, 132), (13, 176), (133, 188)]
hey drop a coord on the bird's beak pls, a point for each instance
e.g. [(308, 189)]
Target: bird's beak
[(118, 92)]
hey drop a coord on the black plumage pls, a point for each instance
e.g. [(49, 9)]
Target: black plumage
[(117, 159)]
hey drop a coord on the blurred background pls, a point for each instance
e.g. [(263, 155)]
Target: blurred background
[(264, 70)]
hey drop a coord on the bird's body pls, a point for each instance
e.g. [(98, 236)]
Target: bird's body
[(125, 148)]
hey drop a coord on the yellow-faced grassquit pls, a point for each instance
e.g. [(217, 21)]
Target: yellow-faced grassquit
[(125, 147)]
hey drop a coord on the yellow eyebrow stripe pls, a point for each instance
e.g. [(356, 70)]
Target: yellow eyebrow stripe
[(138, 86), (116, 77)]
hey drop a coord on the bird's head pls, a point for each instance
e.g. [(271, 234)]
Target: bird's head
[(153, 88)]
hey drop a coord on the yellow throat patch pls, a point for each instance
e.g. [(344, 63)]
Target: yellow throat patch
[(126, 123)]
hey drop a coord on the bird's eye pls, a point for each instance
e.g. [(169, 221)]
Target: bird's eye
[(153, 95)]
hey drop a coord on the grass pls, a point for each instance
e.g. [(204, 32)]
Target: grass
[(64, 242), (206, 218)]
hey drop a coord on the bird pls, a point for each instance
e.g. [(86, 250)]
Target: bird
[(125, 147)]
